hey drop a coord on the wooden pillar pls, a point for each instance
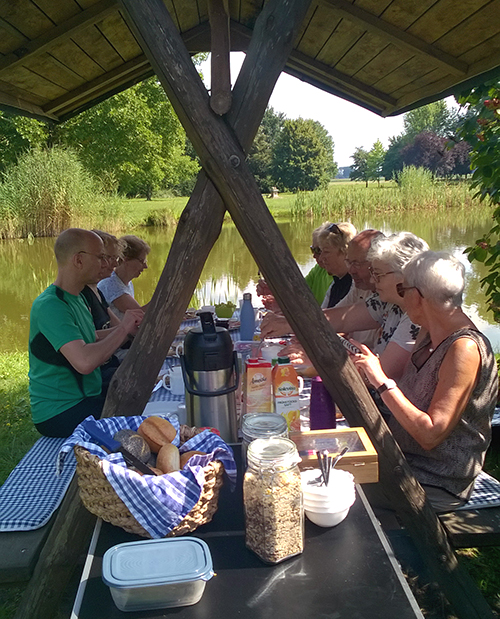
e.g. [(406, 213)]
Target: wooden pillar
[(224, 162), (220, 97), (198, 228)]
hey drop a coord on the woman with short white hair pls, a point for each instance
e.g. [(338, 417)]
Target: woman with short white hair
[(442, 405)]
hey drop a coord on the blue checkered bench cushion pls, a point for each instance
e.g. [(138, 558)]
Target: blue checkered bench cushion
[(486, 493), (33, 491)]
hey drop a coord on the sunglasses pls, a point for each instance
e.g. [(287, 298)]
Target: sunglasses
[(335, 229), (315, 250), (400, 289)]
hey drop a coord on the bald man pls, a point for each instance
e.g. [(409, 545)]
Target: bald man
[(65, 351)]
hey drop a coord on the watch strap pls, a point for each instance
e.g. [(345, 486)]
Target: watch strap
[(387, 386)]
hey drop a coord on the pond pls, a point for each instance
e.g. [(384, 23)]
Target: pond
[(29, 266)]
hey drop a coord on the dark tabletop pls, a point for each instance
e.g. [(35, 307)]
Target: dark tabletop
[(345, 572)]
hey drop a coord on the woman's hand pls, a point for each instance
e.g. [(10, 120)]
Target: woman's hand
[(368, 364), (274, 325)]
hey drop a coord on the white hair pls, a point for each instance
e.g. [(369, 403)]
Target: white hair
[(396, 250), (438, 275)]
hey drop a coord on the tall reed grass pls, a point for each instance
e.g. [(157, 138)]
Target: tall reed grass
[(49, 190), (415, 189)]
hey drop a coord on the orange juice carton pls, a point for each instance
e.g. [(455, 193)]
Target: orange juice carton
[(257, 388), (286, 388)]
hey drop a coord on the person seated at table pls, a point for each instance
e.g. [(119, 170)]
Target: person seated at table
[(443, 403), (118, 288), (318, 279), (333, 241), (387, 257), (65, 351), (102, 315), (329, 250)]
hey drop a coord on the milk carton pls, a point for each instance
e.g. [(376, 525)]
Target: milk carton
[(286, 388), (257, 387)]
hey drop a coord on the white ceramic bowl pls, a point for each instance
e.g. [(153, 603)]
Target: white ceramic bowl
[(327, 519)]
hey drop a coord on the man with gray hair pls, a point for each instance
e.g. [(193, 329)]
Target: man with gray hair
[(65, 351)]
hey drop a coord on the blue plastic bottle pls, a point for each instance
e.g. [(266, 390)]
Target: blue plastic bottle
[(247, 318)]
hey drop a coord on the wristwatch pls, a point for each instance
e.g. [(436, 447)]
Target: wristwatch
[(387, 386)]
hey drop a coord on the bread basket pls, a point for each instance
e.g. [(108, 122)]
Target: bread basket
[(99, 497)]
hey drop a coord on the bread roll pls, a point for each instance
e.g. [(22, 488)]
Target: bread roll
[(187, 454), (168, 459), (156, 431)]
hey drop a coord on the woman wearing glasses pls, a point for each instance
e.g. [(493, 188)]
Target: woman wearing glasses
[(443, 403), (318, 279), (118, 288), (333, 240)]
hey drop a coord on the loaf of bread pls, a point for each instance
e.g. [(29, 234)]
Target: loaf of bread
[(187, 454), (157, 432), (168, 459)]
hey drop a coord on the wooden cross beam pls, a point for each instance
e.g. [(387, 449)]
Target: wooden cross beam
[(224, 163), (197, 231)]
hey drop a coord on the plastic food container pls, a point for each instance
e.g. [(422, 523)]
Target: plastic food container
[(158, 573)]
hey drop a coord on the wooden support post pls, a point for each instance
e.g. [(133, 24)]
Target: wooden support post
[(224, 162), (220, 98), (198, 229)]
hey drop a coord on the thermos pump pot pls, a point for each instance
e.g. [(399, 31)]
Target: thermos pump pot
[(211, 376)]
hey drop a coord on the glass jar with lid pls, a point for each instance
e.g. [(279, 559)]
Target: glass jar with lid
[(272, 496), (261, 425)]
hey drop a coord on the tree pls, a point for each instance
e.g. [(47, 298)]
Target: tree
[(260, 158), (392, 160), (435, 118), (359, 168), (18, 134), (481, 129), (428, 150), (133, 139), (375, 161), (301, 158)]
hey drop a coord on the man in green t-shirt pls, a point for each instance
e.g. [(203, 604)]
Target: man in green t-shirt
[(65, 351)]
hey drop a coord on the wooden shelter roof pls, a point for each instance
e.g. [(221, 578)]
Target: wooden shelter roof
[(59, 57)]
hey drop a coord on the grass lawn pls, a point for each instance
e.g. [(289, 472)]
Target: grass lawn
[(17, 435)]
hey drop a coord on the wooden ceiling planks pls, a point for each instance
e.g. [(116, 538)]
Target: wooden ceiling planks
[(384, 54)]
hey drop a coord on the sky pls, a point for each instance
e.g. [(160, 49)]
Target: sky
[(349, 124)]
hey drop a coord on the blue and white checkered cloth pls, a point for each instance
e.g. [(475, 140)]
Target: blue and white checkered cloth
[(158, 503), (486, 493), (33, 491)]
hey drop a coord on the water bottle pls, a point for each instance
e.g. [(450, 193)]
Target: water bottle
[(247, 318)]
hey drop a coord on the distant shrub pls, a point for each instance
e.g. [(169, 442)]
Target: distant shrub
[(160, 217), (49, 190)]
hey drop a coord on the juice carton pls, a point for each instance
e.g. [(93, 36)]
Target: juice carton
[(286, 393), (257, 388)]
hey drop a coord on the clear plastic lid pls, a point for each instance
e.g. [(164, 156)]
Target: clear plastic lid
[(272, 453), (157, 562), (263, 425)]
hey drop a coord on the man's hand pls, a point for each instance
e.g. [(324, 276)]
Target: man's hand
[(274, 325), (262, 288), (131, 320), (271, 304)]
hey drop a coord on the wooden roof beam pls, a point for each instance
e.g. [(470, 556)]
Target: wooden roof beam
[(403, 39), (103, 82), (19, 104), (220, 96), (59, 33)]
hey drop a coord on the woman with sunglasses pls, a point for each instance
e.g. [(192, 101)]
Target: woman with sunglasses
[(443, 403), (318, 279), (381, 310), (333, 240), (118, 288)]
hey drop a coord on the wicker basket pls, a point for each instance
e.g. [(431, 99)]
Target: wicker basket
[(100, 499)]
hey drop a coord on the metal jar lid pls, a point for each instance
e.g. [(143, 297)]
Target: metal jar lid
[(263, 425)]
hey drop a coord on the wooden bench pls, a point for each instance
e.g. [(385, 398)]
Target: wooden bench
[(473, 528)]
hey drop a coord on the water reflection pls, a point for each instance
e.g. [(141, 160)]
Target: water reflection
[(29, 267)]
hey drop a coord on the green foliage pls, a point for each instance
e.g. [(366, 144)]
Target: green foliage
[(17, 135), (133, 138), (300, 158), (435, 117), (49, 190), (359, 168), (375, 161), (481, 128)]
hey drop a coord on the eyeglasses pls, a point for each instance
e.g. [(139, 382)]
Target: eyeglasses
[(400, 289), (143, 261), (315, 250), (378, 276), (335, 229), (355, 264), (112, 258), (101, 257)]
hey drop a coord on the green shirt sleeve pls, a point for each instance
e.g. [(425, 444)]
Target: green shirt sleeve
[(318, 281)]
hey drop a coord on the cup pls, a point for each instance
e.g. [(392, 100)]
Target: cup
[(179, 349), (322, 408), (175, 384)]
